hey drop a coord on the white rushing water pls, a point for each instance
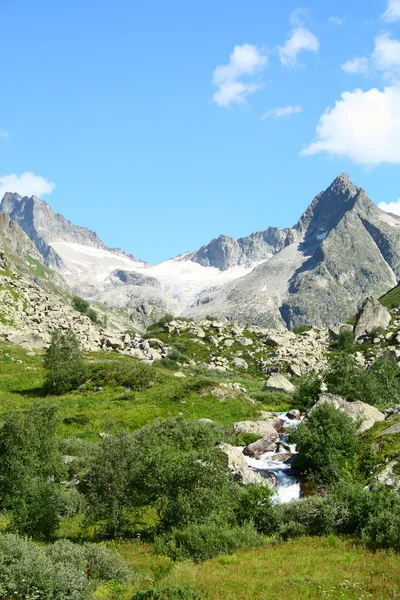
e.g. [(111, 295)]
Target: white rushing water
[(287, 486)]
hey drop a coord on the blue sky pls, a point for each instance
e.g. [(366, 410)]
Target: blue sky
[(165, 123)]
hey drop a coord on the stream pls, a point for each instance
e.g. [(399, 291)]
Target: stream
[(287, 486)]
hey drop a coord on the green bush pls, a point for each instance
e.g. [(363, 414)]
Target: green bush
[(59, 571), (177, 356), (255, 507), (345, 340), (379, 385), (26, 571), (65, 369), (326, 444), (203, 541), (301, 329), (167, 363), (356, 505), (129, 374), (308, 389), (383, 530), (84, 308), (242, 439), (169, 593), (158, 327), (30, 470), (172, 466), (309, 516)]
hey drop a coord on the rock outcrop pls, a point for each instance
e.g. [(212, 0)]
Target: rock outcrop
[(371, 316)]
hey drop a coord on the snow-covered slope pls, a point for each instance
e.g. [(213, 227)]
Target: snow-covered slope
[(89, 271)]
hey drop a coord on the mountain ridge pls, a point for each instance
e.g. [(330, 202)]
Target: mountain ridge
[(342, 248)]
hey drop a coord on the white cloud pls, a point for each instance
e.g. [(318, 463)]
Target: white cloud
[(4, 135), (299, 17), (336, 21), (282, 111), (244, 60), (362, 126), (393, 11), (299, 40), (357, 65), (392, 207), (386, 55), (27, 184)]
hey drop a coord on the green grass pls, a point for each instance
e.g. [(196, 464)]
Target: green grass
[(392, 298), (301, 569), (85, 413)]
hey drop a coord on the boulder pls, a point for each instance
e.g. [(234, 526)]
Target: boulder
[(260, 447), (278, 383), (393, 430), (388, 475), (242, 473), (244, 341), (262, 428), (240, 363), (293, 414), (371, 316), (366, 414), (27, 340)]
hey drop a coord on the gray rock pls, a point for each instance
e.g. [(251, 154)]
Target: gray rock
[(239, 468), (244, 341), (260, 447), (262, 428), (361, 412), (240, 363), (393, 430), (371, 316), (278, 383)]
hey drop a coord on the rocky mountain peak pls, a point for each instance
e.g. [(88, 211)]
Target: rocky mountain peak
[(328, 208)]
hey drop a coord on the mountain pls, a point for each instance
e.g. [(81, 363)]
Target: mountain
[(110, 275), (344, 248), (317, 272)]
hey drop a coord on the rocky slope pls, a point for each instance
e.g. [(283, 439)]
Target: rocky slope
[(342, 249)]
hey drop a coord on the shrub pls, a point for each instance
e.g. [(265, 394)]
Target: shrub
[(172, 466), (104, 564), (30, 469), (203, 541), (307, 392), (301, 329), (383, 530), (26, 571), (59, 571), (169, 593), (177, 356), (65, 369), (345, 340), (167, 363), (129, 374), (84, 308), (379, 385), (255, 507), (242, 439), (309, 516), (355, 505), (326, 444)]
